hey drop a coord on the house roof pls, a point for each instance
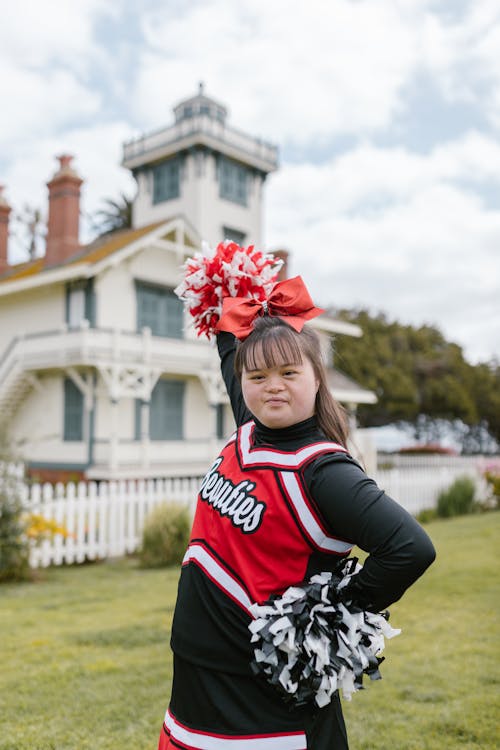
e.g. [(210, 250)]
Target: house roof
[(96, 250), (108, 244), (92, 257), (346, 389)]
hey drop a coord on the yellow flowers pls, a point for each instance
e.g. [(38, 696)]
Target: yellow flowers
[(39, 528)]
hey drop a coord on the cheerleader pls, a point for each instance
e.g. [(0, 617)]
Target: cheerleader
[(282, 502)]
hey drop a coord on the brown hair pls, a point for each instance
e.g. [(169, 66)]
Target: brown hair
[(275, 343)]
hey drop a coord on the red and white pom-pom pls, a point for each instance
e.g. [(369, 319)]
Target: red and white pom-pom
[(227, 271)]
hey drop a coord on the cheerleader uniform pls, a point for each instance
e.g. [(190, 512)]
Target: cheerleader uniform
[(277, 506)]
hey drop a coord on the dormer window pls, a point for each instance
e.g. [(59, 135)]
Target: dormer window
[(80, 303)]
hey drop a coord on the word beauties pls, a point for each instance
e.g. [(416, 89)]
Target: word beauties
[(231, 500)]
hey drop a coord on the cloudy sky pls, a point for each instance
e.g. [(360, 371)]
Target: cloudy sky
[(386, 114)]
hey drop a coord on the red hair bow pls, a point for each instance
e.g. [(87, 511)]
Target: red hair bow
[(289, 300)]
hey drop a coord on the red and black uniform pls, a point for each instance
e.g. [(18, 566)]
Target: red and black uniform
[(276, 507)]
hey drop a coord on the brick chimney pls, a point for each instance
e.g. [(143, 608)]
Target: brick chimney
[(5, 210), (282, 255), (64, 213)]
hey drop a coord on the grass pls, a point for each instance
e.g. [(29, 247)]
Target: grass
[(440, 681), (85, 659), (85, 662)]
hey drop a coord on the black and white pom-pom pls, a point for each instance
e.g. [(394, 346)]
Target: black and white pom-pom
[(312, 640)]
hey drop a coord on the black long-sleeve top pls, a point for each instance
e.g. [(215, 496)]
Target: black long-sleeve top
[(211, 631), (353, 507)]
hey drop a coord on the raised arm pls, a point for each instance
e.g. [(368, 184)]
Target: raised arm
[(357, 510), (226, 344)]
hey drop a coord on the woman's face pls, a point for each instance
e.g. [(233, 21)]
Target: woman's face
[(280, 396)]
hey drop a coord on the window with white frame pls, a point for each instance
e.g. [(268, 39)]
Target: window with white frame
[(166, 412), (159, 309), (234, 235), (233, 181), (80, 303), (73, 411), (166, 181)]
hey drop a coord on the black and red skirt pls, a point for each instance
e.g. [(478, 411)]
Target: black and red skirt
[(212, 710)]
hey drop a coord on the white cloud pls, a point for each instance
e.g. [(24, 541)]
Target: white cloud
[(463, 56), (326, 68), (41, 104), (388, 227), (369, 179), (35, 34), (393, 231), (97, 160)]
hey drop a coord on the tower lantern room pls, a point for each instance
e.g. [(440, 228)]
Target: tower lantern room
[(204, 170)]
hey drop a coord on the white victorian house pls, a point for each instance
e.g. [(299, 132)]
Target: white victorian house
[(99, 375)]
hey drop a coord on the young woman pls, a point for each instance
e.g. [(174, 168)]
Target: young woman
[(283, 501)]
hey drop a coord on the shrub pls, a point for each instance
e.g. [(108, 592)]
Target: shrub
[(458, 499), (165, 535), (14, 545), (492, 477), (426, 515)]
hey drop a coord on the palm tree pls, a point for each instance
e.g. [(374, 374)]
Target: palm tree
[(31, 224), (116, 215)]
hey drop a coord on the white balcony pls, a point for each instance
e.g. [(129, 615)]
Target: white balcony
[(202, 130), (95, 347), (129, 362), (152, 458)]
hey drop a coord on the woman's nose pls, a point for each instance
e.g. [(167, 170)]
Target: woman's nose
[(275, 384)]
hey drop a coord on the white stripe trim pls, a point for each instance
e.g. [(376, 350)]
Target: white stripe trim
[(202, 741), (276, 458), (309, 522), (215, 570)]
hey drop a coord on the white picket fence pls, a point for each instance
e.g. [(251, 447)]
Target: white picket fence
[(101, 520), (416, 481), (418, 489), (106, 519)]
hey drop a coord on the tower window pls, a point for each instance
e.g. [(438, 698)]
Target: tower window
[(166, 181), (234, 235), (233, 181)]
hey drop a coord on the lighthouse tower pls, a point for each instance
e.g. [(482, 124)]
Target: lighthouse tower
[(204, 170)]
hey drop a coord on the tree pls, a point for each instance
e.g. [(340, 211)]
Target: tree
[(116, 215), (422, 379), (32, 226)]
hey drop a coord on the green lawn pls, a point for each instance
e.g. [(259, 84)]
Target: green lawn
[(85, 662)]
